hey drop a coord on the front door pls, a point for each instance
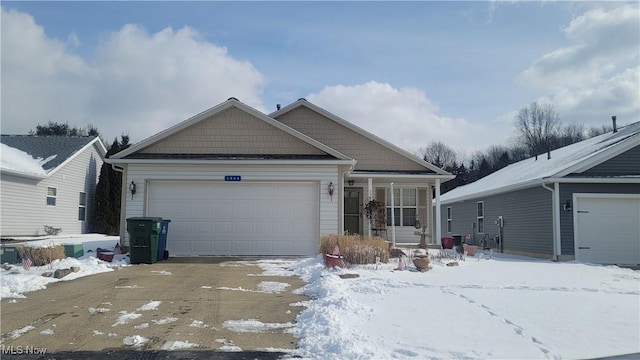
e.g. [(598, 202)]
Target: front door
[(352, 202)]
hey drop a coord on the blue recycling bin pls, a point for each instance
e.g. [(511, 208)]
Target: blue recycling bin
[(162, 239)]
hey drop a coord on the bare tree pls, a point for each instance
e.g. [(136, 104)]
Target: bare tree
[(537, 125), (439, 154)]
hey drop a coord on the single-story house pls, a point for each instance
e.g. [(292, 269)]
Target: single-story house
[(578, 202), (48, 181), (235, 181)]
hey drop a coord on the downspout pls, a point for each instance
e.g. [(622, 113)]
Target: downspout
[(555, 213), (369, 198), (438, 215)]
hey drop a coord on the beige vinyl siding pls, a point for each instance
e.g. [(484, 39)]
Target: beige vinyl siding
[(370, 154), (323, 174), (232, 131), (24, 201)]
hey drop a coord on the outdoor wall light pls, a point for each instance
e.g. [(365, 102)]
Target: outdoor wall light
[(331, 189), (567, 205), (132, 188), (350, 182)]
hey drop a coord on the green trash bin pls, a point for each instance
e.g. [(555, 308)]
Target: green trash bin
[(143, 239)]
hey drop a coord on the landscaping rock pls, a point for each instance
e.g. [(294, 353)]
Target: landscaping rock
[(75, 268), (47, 274), (60, 273), (349, 276), (453, 263)]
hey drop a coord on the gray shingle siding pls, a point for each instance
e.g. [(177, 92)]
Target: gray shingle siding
[(528, 225), (566, 217), (627, 163)]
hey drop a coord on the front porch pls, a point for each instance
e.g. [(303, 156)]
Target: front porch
[(411, 221)]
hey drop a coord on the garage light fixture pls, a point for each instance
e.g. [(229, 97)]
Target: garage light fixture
[(331, 189), (567, 205), (132, 189)]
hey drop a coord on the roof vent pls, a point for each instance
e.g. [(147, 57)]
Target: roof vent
[(232, 98), (615, 128), (302, 99), (278, 106)]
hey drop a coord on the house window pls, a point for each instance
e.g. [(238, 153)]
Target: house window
[(82, 207), (52, 193), (405, 207), (480, 217), (449, 217)]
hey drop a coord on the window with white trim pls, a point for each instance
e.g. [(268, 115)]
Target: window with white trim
[(52, 194), (480, 217), (82, 207), (405, 206), (449, 218)]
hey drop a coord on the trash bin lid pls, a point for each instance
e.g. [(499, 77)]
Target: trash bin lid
[(149, 219)]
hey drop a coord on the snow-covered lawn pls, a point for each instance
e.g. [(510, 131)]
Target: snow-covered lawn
[(507, 307), (504, 307)]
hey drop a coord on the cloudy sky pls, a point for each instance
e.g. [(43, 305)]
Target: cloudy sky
[(410, 72)]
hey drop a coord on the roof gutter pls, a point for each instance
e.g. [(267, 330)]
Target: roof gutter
[(400, 176), (350, 162), (24, 174), (555, 213)]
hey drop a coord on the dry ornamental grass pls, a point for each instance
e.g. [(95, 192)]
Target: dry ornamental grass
[(42, 256), (356, 249)]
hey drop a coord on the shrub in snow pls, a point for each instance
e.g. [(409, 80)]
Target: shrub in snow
[(52, 230), (356, 249), (42, 256)]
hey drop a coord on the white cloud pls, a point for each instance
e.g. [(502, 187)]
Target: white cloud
[(405, 117), (136, 82), (597, 76)]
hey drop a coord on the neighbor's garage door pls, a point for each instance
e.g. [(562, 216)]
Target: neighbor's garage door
[(607, 228), (210, 218)]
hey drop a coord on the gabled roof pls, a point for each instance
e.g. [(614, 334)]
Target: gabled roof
[(428, 167), (49, 152), (572, 159), (122, 157)]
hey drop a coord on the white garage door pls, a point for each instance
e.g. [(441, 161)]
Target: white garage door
[(607, 228), (210, 218)]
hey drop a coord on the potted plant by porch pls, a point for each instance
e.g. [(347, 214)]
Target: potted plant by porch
[(375, 212), (469, 249)]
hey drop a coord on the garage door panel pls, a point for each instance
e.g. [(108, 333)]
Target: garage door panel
[(264, 227), (607, 229), (201, 227), (210, 218)]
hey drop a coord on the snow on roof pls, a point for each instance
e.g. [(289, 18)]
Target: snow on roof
[(19, 161), (532, 169)]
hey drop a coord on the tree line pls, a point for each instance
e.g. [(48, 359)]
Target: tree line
[(539, 130)]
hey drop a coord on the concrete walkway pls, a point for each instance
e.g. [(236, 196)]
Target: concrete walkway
[(87, 315)]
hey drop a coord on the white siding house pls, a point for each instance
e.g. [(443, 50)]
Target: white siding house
[(235, 181), (48, 181)]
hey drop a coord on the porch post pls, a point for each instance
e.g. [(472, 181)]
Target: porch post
[(429, 214), (369, 198), (393, 220), (438, 215)]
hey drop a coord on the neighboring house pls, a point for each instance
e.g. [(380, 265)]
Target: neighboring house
[(235, 181), (48, 181), (578, 202)]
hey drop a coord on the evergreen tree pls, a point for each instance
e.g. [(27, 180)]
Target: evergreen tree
[(109, 191)]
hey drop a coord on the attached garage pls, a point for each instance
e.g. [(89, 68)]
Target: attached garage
[(229, 218), (607, 228)]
